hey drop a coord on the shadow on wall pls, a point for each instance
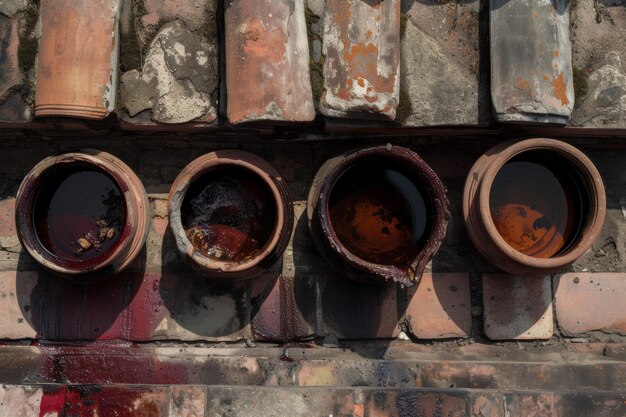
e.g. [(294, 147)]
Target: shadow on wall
[(200, 308), (58, 309)]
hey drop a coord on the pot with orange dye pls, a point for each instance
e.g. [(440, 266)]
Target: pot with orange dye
[(533, 206), (378, 214)]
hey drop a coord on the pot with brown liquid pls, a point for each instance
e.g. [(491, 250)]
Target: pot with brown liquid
[(231, 215), (82, 215), (378, 214), (533, 206)]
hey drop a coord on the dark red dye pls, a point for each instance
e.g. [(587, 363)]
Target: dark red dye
[(537, 204), (229, 214), (74, 203), (380, 215), (52, 402)]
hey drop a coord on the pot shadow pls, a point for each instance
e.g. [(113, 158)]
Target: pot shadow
[(61, 310), (200, 308), (283, 301)]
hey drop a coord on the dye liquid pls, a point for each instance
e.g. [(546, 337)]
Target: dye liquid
[(537, 204), (229, 214), (380, 215), (79, 214)]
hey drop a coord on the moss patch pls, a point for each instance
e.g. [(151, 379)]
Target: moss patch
[(29, 43), (580, 83)]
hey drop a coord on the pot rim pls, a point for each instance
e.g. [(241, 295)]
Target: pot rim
[(27, 194), (580, 162), (427, 178), (208, 162)]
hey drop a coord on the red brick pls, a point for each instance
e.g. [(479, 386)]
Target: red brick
[(440, 307), (416, 403), (362, 63), (582, 404), (517, 307), (590, 301), (487, 404), (283, 308), (530, 404), (355, 310), (267, 62), (137, 401), (7, 218)]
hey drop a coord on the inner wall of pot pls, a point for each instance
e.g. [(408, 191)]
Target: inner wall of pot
[(540, 203), (79, 213), (229, 214), (381, 212)]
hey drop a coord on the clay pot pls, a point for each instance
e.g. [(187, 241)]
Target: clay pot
[(131, 203), (231, 215), (357, 224), (77, 61), (551, 233)]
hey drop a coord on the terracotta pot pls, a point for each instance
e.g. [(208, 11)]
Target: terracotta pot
[(350, 175), (224, 201), (130, 235), (77, 61), (542, 247)]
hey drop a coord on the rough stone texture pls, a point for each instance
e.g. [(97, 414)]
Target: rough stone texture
[(358, 311), (283, 308), (7, 219), (16, 321), (267, 62), (10, 8), (314, 13), (19, 39), (531, 67), (178, 81), (24, 401), (517, 307), (362, 58), (590, 301), (599, 60), (439, 307), (444, 75)]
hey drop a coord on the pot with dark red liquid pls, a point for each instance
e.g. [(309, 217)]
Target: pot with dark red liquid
[(82, 215), (533, 206), (378, 214), (231, 215)]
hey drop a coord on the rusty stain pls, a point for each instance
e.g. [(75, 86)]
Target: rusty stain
[(359, 410), (556, 53), (546, 77), (560, 89), (360, 71), (521, 83)]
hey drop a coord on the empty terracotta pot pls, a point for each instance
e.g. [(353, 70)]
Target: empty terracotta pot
[(378, 214), (231, 215), (533, 206), (82, 215), (77, 61)]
